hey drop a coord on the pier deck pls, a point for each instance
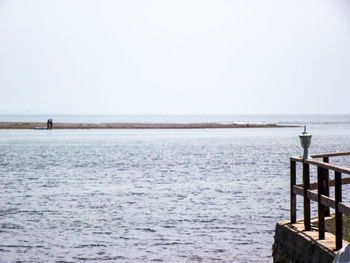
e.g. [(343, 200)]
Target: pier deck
[(294, 244)]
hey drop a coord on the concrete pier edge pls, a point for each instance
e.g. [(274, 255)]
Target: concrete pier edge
[(292, 244)]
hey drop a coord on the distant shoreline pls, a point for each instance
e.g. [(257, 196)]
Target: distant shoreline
[(67, 125)]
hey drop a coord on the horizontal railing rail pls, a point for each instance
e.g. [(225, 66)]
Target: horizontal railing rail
[(329, 154), (322, 196), (313, 186)]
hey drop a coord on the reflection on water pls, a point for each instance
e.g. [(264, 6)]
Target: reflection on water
[(148, 195)]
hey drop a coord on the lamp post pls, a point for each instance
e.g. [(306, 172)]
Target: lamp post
[(305, 141)]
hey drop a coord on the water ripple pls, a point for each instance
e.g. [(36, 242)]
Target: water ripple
[(146, 196)]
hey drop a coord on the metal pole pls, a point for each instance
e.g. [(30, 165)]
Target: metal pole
[(321, 208), (326, 178), (293, 201), (306, 183), (338, 215)]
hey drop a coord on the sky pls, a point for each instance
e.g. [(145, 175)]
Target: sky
[(175, 57)]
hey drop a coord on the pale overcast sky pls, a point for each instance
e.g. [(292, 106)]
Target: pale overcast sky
[(175, 57)]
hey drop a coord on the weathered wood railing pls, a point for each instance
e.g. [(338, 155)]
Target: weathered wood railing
[(322, 196)]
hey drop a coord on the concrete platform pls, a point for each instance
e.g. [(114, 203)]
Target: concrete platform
[(293, 244)]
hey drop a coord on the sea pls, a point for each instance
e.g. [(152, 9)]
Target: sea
[(153, 195)]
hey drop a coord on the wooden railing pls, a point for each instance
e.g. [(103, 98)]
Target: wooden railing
[(322, 196)]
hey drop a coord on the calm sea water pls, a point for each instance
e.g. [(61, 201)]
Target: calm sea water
[(211, 195)]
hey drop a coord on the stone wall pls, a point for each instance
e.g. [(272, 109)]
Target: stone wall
[(292, 245)]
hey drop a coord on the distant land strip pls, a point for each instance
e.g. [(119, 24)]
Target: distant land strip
[(66, 125)]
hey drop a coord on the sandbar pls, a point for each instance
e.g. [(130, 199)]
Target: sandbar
[(67, 125)]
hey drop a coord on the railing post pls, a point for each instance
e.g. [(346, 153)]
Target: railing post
[(338, 215), (326, 178), (293, 201), (321, 208), (306, 183)]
